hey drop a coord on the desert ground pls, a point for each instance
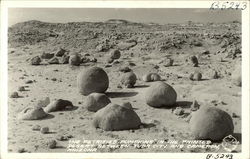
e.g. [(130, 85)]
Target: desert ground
[(143, 47)]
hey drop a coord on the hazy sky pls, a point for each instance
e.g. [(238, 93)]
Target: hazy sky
[(157, 15)]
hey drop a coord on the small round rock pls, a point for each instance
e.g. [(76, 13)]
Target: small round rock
[(21, 88), (75, 60), (96, 101), (150, 77), (14, 95), (197, 76), (128, 79), (51, 144), (44, 130)]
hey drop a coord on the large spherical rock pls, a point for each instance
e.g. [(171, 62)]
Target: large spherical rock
[(32, 114), (92, 80), (128, 79), (160, 94), (115, 117), (96, 101), (151, 77), (211, 123), (236, 75)]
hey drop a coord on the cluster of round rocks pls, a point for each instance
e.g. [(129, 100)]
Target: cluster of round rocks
[(62, 57), (112, 117), (94, 81)]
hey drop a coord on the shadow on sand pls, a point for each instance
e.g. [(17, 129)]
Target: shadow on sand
[(148, 125), (121, 94)]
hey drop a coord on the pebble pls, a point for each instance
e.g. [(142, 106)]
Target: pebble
[(53, 79), (36, 128), (14, 95), (21, 150), (44, 130), (234, 115), (51, 144), (195, 106), (178, 111), (21, 88), (28, 82)]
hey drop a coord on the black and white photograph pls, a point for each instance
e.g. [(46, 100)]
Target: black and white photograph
[(125, 80)]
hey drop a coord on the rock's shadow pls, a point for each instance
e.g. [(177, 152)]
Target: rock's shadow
[(60, 147), (183, 104), (141, 86), (205, 79), (70, 108), (51, 132), (238, 137), (121, 94), (148, 125), (49, 116)]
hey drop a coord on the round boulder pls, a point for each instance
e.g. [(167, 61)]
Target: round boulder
[(91, 80), (211, 123), (160, 94), (75, 60), (128, 79), (36, 60), (58, 105), (167, 62), (32, 114), (96, 101), (236, 75), (197, 76), (115, 117), (115, 54), (151, 77), (14, 95)]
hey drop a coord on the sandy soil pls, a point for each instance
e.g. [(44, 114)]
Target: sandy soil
[(160, 123)]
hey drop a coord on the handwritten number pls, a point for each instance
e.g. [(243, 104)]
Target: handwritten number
[(215, 5), (244, 6), (222, 156), (231, 156), (209, 156), (223, 6), (237, 6), (228, 5)]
